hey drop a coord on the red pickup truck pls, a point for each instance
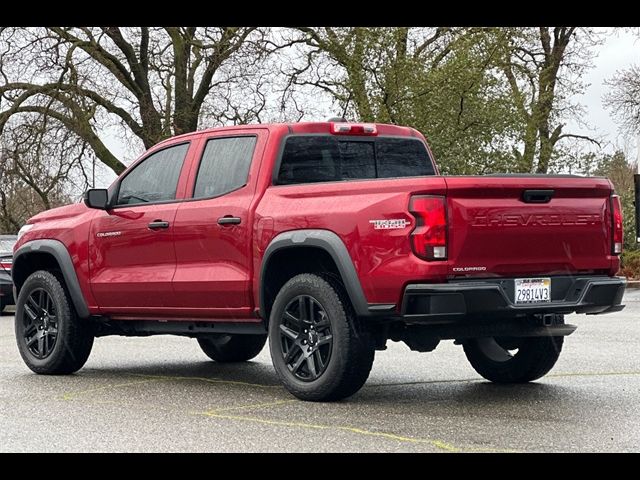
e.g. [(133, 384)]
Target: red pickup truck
[(327, 238)]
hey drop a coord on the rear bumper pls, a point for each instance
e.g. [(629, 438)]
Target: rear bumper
[(449, 302)]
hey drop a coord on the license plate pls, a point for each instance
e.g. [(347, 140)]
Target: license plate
[(533, 290)]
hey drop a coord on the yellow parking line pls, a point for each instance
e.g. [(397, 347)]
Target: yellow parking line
[(205, 379), (72, 395), (219, 413), (160, 378), (216, 411), (447, 447)]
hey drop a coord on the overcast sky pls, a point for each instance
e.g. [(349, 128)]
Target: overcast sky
[(619, 50)]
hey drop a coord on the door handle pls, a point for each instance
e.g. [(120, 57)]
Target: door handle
[(537, 196), (156, 224), (229, 220)]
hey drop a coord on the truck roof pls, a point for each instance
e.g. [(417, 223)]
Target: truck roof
[(304, 127)]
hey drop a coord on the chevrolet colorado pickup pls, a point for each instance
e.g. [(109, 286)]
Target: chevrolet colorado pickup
[(328, 239)]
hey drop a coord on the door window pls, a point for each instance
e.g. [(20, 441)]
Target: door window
[(155, 179), (224, 166)]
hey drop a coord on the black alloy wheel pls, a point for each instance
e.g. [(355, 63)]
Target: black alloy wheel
[(306, 340), (51, 338), (320, 350), (40, 323)]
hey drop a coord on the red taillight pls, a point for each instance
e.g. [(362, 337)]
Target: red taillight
[(618, 233), (353, 129), (6, 266), (429, 238)]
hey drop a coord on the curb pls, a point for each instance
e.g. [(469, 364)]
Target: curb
[(633, 283)]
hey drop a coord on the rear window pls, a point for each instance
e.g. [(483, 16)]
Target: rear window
[(323, 158)]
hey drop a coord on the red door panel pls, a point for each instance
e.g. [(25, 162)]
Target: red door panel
[(214, 265), (132, 265), (132, 258), (213, 260)]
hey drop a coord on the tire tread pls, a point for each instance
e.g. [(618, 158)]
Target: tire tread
[(359, 352), (77, 340)]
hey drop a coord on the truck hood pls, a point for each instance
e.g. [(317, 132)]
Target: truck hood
[(67, 211)]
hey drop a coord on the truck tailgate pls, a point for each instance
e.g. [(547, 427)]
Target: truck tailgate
[(507, 226)]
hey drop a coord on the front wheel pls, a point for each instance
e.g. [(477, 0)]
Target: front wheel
[(52, 340), (318, 349), (513, 360)]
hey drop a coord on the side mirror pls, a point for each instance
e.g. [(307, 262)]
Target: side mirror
[(97, 198)]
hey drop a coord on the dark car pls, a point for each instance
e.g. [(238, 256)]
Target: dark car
[(6, 260)]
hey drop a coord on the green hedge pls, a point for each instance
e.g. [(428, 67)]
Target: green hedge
[(630, 267)]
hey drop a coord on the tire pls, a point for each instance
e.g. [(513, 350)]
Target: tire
[(490, 357), (318, 348), (62, 352), (232, 348)]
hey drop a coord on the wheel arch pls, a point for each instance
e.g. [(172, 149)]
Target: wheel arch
[(48, 254), (298, 249)]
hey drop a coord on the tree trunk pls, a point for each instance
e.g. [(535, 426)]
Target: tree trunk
[(357, 83), (152, 122), (529, 146), (546, 149)]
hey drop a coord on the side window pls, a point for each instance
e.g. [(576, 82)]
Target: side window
[(155, 179), (224, 166)]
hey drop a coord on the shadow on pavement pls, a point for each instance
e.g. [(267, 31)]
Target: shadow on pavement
[(473, 394), (247, 372)]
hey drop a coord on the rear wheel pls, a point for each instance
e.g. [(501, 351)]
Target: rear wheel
[(318, 349), (225, 348), (52, 340), (513, 360)]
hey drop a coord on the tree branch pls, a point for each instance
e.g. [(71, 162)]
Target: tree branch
[(581, 137)]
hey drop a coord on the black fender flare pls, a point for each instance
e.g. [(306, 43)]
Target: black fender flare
[(334, 246), (60, 253)]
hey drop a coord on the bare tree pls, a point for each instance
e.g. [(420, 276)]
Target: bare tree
[(42, 165), (624, 98), (543, 67), (438, 80), (153, 82), (366, 69)]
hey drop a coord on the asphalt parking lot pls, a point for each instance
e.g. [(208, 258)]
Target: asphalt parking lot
[(163, 394)]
